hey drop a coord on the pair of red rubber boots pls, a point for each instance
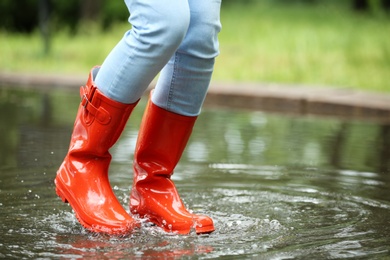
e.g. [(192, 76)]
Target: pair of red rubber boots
[(82, 179)]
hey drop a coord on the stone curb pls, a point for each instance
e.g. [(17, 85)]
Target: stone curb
[(297, 100), (288, 99)]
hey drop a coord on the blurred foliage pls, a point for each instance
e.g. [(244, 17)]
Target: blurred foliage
[(12, 17), (23, 15)]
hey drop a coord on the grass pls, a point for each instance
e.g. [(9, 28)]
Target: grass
[(69, 54), (315, 45), (318, 45)]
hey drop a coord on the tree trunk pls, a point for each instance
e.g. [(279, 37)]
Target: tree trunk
[(386, 5), (90, 9), (44, 10), (360, 5)]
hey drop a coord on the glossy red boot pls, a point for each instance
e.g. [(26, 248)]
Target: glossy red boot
[(82, 179), (162, 138)]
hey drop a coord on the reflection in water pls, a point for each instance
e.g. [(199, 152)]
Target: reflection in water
[(277, 187)]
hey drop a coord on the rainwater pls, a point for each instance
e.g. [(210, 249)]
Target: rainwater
[(277, 186)]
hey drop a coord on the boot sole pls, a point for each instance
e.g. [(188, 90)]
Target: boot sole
[(104, 230), (60, 193), (199, 230), (204, 230)]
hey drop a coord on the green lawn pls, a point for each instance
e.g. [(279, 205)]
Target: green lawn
[(264, 43)]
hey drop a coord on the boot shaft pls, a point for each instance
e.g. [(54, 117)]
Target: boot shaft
[(99, 121), (162, 139)]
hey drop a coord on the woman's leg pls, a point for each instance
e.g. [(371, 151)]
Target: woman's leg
[(184, 81), (158, 28), (82, 179), (168, 121)]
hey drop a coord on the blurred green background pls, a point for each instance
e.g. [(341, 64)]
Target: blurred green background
[(312, 42)]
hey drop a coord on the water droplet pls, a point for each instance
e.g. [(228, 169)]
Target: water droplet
[(274, 224)]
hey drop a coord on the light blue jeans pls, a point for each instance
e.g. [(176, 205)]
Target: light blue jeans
[(176, 37)]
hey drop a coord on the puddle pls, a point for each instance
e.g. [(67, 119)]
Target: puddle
[(277, 187)]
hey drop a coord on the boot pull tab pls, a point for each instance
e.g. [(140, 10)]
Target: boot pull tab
[(87, 93)]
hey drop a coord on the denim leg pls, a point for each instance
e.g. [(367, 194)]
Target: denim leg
[(184, 81), (158, 28)]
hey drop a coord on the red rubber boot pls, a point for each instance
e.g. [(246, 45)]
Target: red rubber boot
[(162, 138), (82, 179)]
